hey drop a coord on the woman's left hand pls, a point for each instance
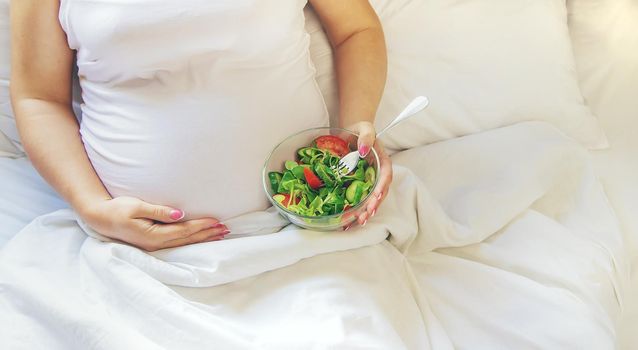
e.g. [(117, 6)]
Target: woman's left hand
[(367, 140)]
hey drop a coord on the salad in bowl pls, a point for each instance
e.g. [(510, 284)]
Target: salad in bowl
[(302, 180)]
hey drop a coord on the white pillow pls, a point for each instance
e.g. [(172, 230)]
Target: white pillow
[(7, 149), (322, 58), (482, 63), (8, 132), (605, 39)]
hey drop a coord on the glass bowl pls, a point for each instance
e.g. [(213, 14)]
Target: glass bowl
[(287, 150)]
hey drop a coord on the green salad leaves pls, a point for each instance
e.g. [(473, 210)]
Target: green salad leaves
[(310, 186)]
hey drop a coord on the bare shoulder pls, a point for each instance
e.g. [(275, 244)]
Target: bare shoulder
[(39, 51)]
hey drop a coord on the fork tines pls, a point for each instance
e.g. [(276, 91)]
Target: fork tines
[(339, 168)]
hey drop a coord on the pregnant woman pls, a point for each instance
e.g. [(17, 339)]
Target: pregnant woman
[(183, 100)]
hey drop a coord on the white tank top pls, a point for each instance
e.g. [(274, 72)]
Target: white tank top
[(184, 100)]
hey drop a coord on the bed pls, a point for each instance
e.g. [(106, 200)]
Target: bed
[(493, 285), (618, 177), (483, 279), (606, 49)]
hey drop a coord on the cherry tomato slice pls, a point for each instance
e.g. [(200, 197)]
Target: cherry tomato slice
[(332, 144), (313, 180)]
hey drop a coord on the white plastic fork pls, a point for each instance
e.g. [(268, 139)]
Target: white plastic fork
[(350, 160)]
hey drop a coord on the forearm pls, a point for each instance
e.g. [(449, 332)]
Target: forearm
[(51, 138), (361, 72)]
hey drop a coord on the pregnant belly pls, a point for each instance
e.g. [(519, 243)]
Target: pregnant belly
[(207, 165), (202, 178)]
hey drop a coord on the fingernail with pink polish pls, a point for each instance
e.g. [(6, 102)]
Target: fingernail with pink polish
[(373, 212), (176, 214), (363, 150), (365, 222), (217, 225), (379, 194)]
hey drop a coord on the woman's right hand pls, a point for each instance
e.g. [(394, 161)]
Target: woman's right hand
[(147, 226)]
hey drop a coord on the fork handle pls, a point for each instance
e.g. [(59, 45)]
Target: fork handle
[(414, 107)]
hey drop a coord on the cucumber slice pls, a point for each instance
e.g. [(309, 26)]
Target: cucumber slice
[(357, 195), (351, 192), (370, 175)]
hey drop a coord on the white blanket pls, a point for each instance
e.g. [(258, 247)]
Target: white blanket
[(497, 240)]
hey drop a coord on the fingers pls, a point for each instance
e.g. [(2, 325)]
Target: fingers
[(161, 236), (382, 188), (156, 236), (362, 219), (209, 235), (366, 138), (183, 230), (152, 227), (385, 180), (158, 213)]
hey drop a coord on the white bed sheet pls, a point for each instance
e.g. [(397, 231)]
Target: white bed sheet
[(617, 168), (605, 39), (543, 281), (24, 195)]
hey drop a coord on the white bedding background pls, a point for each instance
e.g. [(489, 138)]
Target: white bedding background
[(545, 265), (605, 38), (542, 266), (25, 196)]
